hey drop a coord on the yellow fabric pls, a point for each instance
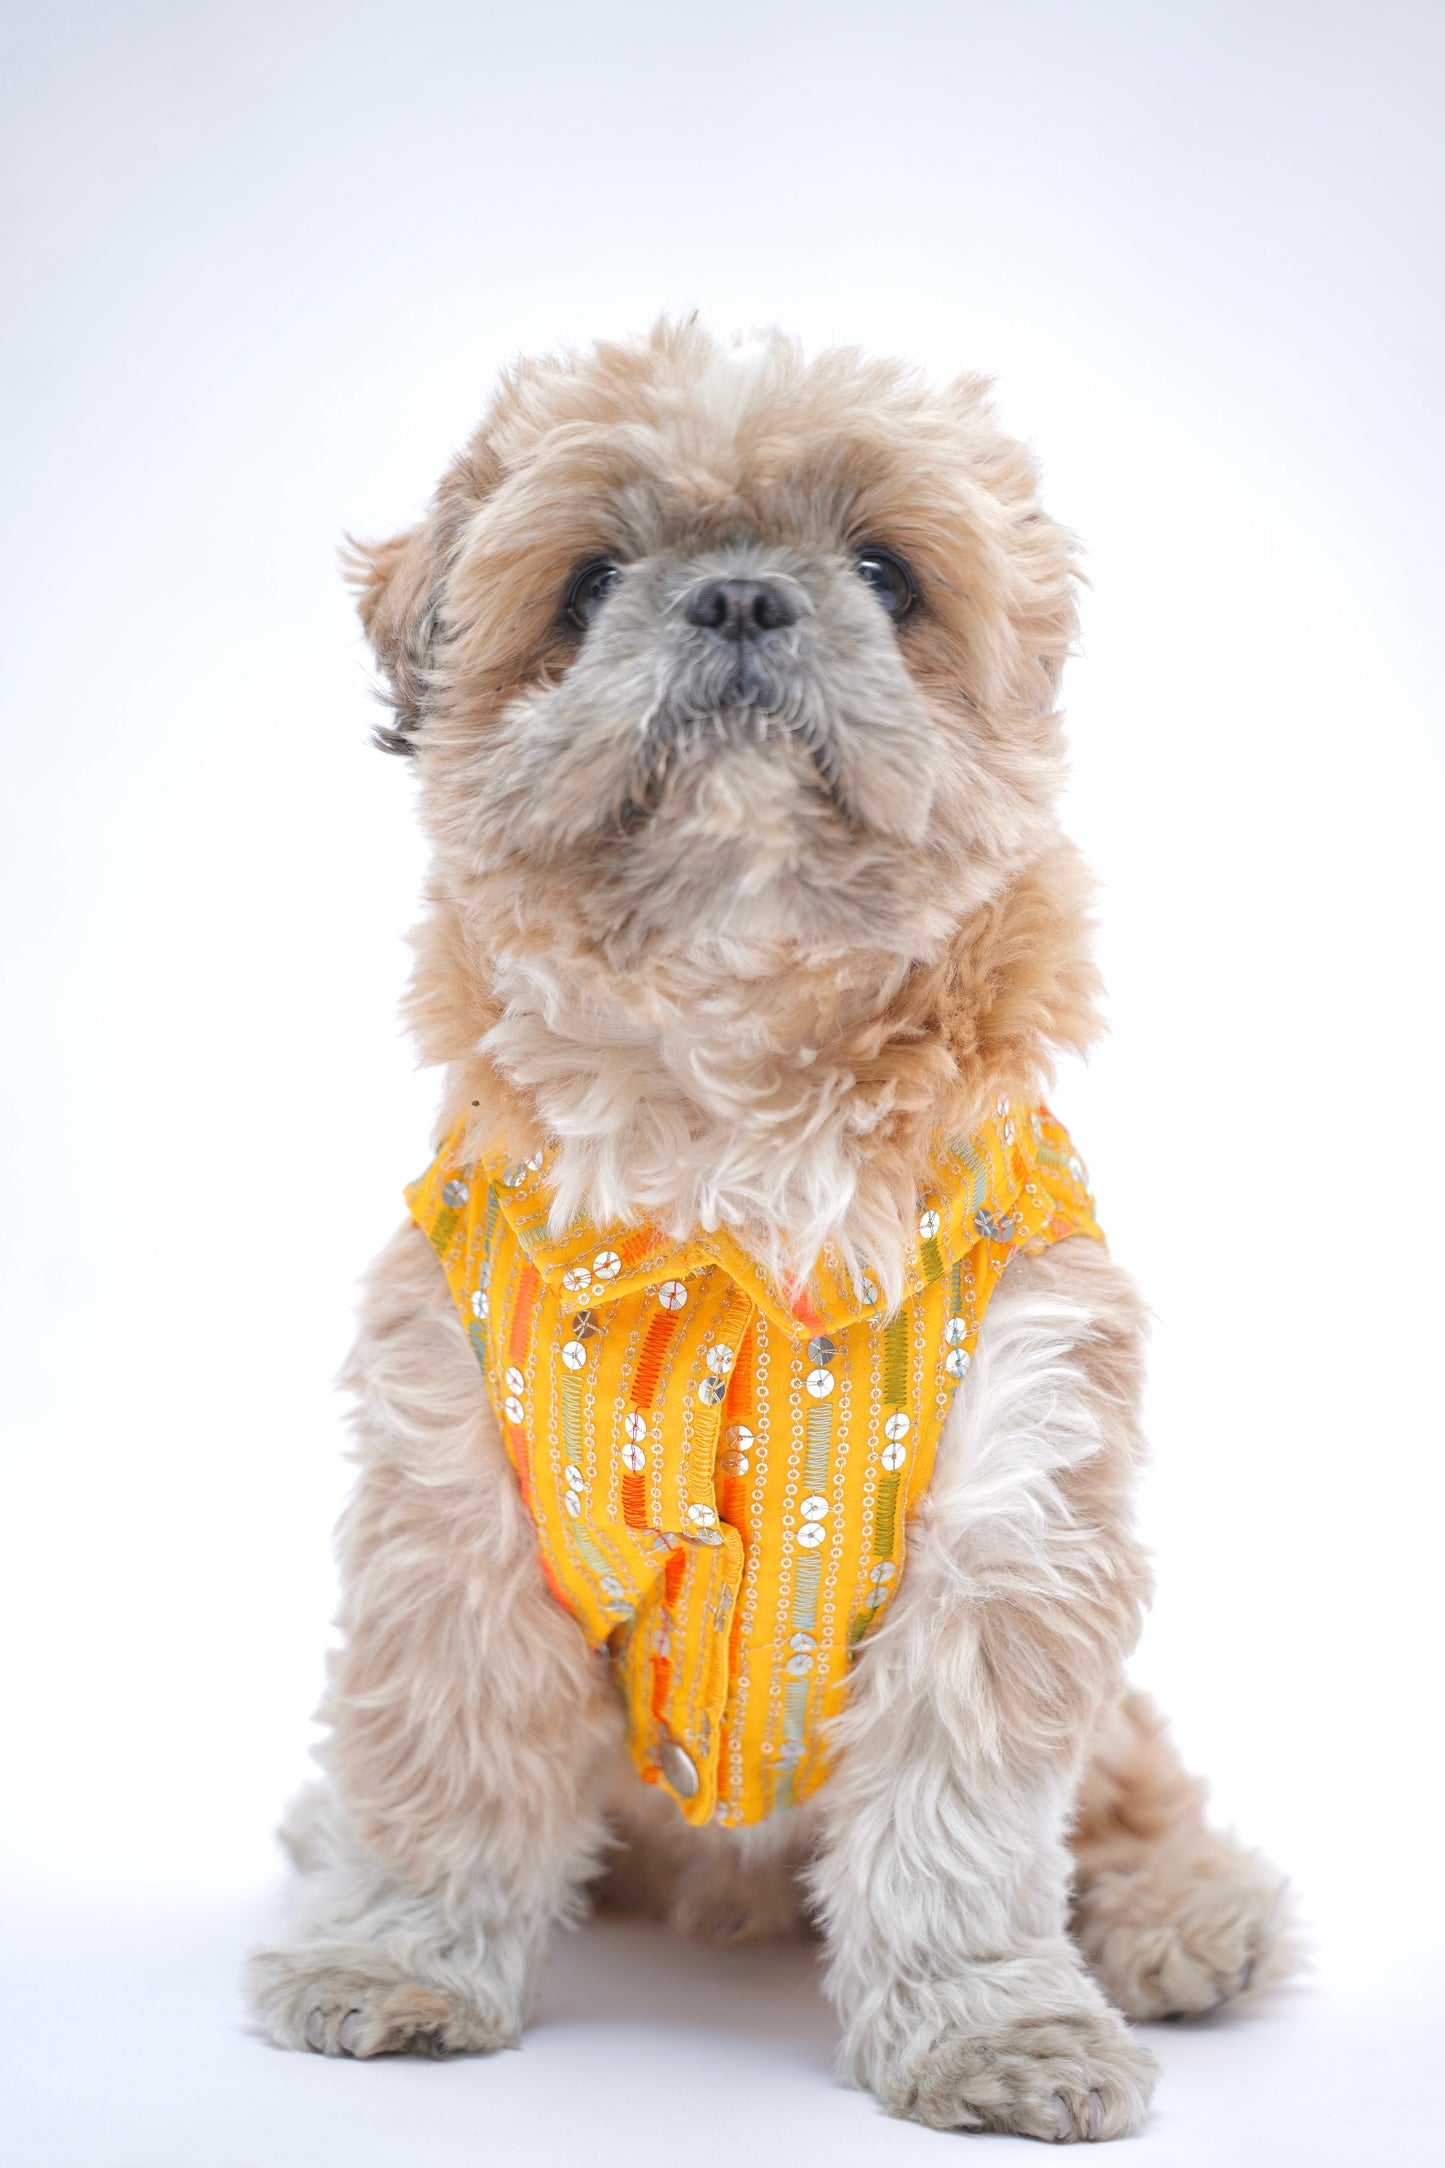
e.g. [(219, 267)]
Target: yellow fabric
[(720, 1474)]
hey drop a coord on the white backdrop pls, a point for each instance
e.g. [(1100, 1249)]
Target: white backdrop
[(261, 264)]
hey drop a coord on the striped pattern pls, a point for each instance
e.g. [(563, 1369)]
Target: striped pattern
[(721, 1470)]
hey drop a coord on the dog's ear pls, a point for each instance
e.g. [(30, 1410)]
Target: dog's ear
[(398, 587)]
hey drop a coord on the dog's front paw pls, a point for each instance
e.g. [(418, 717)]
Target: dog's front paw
[(349, 1999), (1025, 2044)]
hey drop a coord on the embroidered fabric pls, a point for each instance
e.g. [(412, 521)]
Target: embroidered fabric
[(721, 1471)]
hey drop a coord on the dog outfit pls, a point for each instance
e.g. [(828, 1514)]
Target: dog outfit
[(721, 1471)]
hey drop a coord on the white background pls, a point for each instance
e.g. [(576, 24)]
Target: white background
[(262, 263)]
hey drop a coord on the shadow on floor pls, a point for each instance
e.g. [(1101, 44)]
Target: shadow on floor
[(631, 1973)]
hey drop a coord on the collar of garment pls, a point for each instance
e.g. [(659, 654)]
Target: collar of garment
[(599, 1264)]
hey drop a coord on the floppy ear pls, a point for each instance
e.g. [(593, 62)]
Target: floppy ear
[(398, 587)]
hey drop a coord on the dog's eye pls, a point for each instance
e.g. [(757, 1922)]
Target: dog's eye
[(890, 580), (590, 589)]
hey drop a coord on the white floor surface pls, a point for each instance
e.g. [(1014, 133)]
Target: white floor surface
[(127, 2047)]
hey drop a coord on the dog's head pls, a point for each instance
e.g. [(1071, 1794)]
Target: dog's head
[(707, 642)]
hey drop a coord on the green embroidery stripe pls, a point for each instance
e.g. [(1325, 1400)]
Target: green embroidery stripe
[(588, 1549), (820, 1438), (1049, 1155), (796, 1695), (477, 1334), (967, 1154), (572, 1414), (795, 1707), (895, 1359), (442, 1228), (932, 1259), (804, 1617), (955, 1289), (887, 1515)]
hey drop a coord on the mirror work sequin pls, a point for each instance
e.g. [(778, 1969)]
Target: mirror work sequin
[(721, 1473)]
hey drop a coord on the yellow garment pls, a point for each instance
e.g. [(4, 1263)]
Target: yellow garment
[(721, 1474)]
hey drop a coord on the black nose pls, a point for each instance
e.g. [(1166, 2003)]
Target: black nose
[(741, 609)]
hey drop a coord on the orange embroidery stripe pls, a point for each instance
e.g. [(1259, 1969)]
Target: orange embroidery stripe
[(634, 1500), (732, 1492), (519, 1337), (517, 1445), (733, 1504), (805, 1313), (740, 1385), (529, 1283), (640, 1243), (662, 1665), (717, 1676), (649, 1362)]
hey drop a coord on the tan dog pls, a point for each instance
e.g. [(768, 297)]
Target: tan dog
[(731, 683)]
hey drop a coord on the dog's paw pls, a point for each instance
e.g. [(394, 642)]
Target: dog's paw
[(1025, 2045), (349, 1999), (1183, 1934)]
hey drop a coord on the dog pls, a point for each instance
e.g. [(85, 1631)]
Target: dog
[(748, 1411)]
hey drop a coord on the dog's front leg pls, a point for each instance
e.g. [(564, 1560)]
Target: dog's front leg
[(465, 1712), (942, 1878)]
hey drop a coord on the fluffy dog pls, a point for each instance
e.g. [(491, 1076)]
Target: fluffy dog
[(730, 678)]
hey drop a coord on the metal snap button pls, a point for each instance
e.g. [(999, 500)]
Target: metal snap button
[(678, 1766)]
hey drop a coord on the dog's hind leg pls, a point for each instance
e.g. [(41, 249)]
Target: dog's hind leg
[(465, 1713), (1173, 1917), (943, 1876)]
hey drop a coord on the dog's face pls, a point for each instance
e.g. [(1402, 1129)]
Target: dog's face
[(703, 642)]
